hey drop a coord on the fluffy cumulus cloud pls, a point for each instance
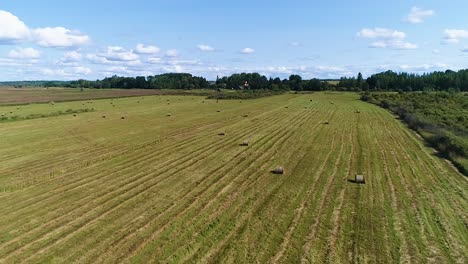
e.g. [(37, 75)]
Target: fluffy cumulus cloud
[(418, 15), (151, 50), (59, 37), (72, 56), (381, 33), (119, 54), (247, 51), (13, 30), (24, 53), (393, 44), (453, 36), (203, 47), (386, 38)]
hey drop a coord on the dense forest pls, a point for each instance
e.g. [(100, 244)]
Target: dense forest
[(440, 117), (386, 81), (392, 81)]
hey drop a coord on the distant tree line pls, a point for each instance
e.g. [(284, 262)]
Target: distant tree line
[(386, 81), (407, 82), (163, 81), (255, 81)]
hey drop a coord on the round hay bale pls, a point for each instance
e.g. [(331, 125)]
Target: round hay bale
[(169, 114), (245, 143), (222, 133), (326, 123), (360, 179), (103, 116), (246, 115), (286, 107), (279, 170), (219, 111), (123, 117), (358, 112), (74, 114)]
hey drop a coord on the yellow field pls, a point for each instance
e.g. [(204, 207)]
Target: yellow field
[(154, 188)]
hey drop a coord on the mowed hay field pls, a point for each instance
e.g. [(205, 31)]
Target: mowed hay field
[(159, 188), (13, 96)]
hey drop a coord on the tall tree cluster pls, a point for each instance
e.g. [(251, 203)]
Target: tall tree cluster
[(407, 82)]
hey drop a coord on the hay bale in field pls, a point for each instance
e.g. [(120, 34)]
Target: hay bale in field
[(103, 116), (245, 115), (245, 143), (360, 179), (358, 112), (222, 133), (74, 114), (279, 170), (219, 111), (123, 117), (17, 108), (286, 107), (169, 114), (326, 123)]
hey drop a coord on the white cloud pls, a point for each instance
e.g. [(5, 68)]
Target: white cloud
[(12, 29), (386, 38), (465, 49), (154, 60), (82, 70), (66, 73), (24, 53), (381, 33), (59, 37), (142, 49), (72, 56), (172, 53), (417, 15), (424, 67), (202, 47), (436, 51), (453, 36), (247, 51), (393, 44), (115, 53)]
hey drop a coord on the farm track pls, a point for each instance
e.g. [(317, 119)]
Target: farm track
[(177, 192)]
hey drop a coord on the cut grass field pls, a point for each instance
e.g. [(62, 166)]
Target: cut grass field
[(154, 188), (14, 96)]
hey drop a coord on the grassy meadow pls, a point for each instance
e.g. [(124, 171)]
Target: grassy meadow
[(140, 186)]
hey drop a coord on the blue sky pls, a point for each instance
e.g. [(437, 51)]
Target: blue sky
[(63, 40)]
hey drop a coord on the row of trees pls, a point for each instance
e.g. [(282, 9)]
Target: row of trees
[(385, 81), (163, 81), (392, 81), (255, 81)]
